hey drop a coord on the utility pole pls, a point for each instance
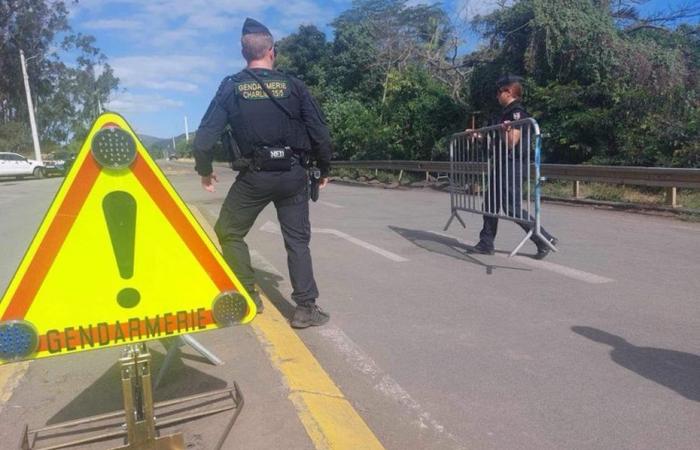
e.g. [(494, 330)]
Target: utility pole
[(97, 94), (30, 105), (174, 150), (187, 132)]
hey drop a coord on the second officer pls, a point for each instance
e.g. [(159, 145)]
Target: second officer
[(277, 126)]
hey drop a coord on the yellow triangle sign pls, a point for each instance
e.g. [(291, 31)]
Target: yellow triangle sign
[(118, 259)]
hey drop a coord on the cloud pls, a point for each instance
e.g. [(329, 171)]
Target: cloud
[(113, 24), (171, 54), (204, 16), (297, 12), (179, 9), (127, 102), (183, 73), (210, 20)]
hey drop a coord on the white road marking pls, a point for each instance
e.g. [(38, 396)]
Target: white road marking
[(332, 205), (259, 262), (563, 270), (382, 382), (270, 227), (552, 267), (362, 362)]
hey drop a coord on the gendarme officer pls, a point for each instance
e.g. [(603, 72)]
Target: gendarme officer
[(505, 188), (277, 126)]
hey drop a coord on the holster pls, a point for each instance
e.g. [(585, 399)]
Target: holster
[(241, 164), (237, 160), (314, 179)]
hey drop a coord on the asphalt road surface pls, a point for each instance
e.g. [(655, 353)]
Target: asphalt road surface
[(596, 347)]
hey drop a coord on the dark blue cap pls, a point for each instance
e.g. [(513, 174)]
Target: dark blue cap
[(251, 26), (507, 80)]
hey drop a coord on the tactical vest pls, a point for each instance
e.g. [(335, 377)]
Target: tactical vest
[(255, 118)]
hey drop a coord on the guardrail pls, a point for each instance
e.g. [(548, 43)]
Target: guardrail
[(670, 178)]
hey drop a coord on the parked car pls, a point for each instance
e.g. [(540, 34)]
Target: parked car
[(54, 167), (58, 163), (16, 165)]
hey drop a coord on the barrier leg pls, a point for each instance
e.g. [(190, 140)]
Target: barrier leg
[(517, 249), (546, 241), (454, 214)]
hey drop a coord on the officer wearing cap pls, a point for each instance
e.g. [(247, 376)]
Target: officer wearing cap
[(504, 190), (277, 126)]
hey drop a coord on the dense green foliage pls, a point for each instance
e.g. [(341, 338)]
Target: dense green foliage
[(606, 85), (68, 75), (606, 93), (375, 79)]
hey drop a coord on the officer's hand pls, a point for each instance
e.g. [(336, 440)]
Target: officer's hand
[(323, 182), (473, 133), (208, 182)]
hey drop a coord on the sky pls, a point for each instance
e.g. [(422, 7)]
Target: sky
[(171, 55)]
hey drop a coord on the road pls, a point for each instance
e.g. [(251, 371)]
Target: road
[(434, 347)]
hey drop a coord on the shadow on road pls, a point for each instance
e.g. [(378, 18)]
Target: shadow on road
[(447, 246), (105, 394), (676, 370), (269, 283)]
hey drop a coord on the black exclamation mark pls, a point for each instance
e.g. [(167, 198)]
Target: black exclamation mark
[(120, 213)]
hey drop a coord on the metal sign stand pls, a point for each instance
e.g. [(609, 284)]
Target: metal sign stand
[(173, 349), (138, 404), (137, 423)]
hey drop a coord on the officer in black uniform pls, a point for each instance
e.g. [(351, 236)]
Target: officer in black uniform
[(278, 126), (504, 190)]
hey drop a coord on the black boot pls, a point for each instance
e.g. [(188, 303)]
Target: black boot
[(543, 249), (255, 296), (309, 315), (483, 248)]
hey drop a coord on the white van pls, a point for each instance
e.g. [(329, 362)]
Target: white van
[(15, 165)]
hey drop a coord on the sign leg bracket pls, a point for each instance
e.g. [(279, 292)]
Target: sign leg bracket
[(141, 420)]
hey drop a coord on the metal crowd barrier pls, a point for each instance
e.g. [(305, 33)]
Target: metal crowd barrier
[(490, 175)]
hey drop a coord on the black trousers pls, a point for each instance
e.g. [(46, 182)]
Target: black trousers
[(249, 195), (506, 192)]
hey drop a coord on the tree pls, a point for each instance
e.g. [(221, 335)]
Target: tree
[(422, 113), (67, 95), (305, 55), (375, 38), (605, 94), (607, 84)]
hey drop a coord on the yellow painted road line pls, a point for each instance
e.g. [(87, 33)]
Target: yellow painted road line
[(329, 418)]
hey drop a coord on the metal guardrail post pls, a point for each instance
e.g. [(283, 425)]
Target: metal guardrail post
[(672, 197), (577, 189)]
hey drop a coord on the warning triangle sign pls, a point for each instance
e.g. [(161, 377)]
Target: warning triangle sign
[(118, 259)]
